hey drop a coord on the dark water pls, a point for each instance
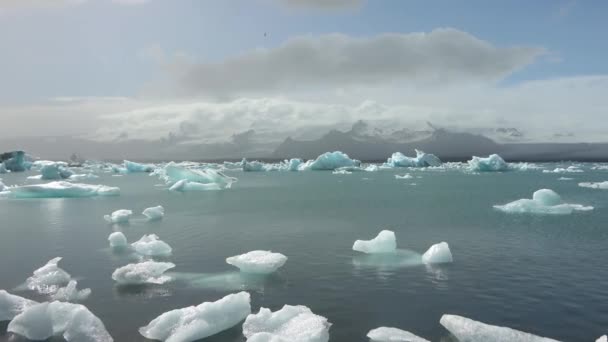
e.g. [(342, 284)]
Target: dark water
[(546, 275)]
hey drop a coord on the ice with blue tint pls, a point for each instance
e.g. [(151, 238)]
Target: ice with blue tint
[(118, 240), (133, 167), (16, 163), (2, 186), (194, 179), (61, 189), (569, 169), (492, 163), (438, 254), (146, 272), (48, 278), (11, 305), (372, 168), (253, 166), (405, 176), (151, 245), (3, 168), (82, 176), (597, 185), (260, 262), (70, 293), (73, 321), (468, 330), (154, 213), (54, 171), (544, 201), (387, 334), (330, 161), (119, 216), (186, 185), (289, 324), (385, 242), (422, 159), (293, 164), (197, 322), (119, 169)]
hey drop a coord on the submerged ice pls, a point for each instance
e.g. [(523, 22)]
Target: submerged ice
[(151, 245), (261, 262), (544, 201), (61, 189), (468, 330), (147, 272), (387, 334), (119, 216), (385, 242), (289, 324)]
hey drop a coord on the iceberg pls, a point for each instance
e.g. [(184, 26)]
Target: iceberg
[(405, 176), (13, 161), (117, 240), (70, 293), (48, 278), (289, 324), (386, 334), (385, 242), (492, 163), (197, 322), (147, 272), (598, 185), (154, 213), (55, 171), (261, 262), (2, 186), (438, 253), (151, 245), (294, 164), (422, 159), (372, 168), (11, 305), (468, 330), (253, 166), (61, 189), (119, 216), (74, 321), (173, 173), (133, 167), (330, 161), (544, 201)]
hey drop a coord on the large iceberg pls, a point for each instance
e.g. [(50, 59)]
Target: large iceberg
[(134, 167), (11, 305), (596, 185), (147, 272), (330, 161), (119, 216), (70, 293), (61, 189), (438, 253), (48, 278), (385, 242), (289, 324), (422, 159), (154, 213), (151, 245), (173, 173), (468, 330), (74, 321), (197, 322), (492, 163), (544, 201), (387, 334), (118, 240), (261, 262)]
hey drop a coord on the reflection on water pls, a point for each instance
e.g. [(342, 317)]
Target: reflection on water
[(143, 290), (438, 274), (388, 261), (231, 281)]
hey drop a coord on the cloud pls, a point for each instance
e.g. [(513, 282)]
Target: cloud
[(440, 57), (322, 4)]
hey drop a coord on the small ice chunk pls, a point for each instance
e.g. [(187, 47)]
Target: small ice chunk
[(492, 163), (117, 240), (252, 166), (422, 159), (291, 323), (154, 213), (602, 339), (52, 171), (330, 161), (11, 305), (70, 293), (62, 189), (565, 178), (372, 168), (151, 245), (385, 242), (119, 216), (82, 176), (45, 320), (386, 334), (262, 262), (186, 185), (544, 201), (133, 167), (48, 278), (405, 176), (2, 186), (173, 173), (569, 169), (294, 164), (341, 172), (197, 322), (147, 272), (468, 330), (438, 253), (597, 185)]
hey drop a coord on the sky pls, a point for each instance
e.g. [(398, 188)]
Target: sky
[(202, 71)]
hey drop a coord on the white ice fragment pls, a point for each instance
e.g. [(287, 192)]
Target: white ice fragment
[(82, 176), (438, 253), (405, 176), (48, 278), (154, 213), (173, 173), (492, 163), (147, 272), (2, 186), (468, 330), (61, 189), (341, 172), (385, 242), (597, 185), (291, 323), (151, 245), (294, 164), (70, 293), (261, 262), (330, 161), (133, 167), (119, 216), (11, 305), (602, 339), (422, 159), (186, 185), (117, 240), (197, 322), (569, 169), (387, 334), (372, 168), (565, 178), (253, 166), (544, 201)]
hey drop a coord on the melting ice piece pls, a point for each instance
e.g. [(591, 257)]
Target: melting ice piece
[(438, 253), (117, 240), (291, 323), (48, 278), (11, 305), (62, 189), (544, 201), (422, 159), (74, 321), (405, 176), (133, 167), (197, 322), (492, 163), (186, 185), (386, 334), (154, 213), (385, 242), (330, 161), (119, 216), (147, 272), (173, 173), (151, 245), (597, 185), (70, 293), (468, 330), (261, 262)]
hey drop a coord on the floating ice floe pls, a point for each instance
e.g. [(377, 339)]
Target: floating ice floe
[(293, 164), (330, 161), (15, 162), (492, 163), (261, 262), (289, 324), (61, 189), (147, 272), (385, 242), (194, 179), (341, 172), (387, 334), (422, 159), (468, 330), (197, 322), (565, 178), (438, 254), (45, 320), (602, 339), (372, 168), (82, 176), (544, 201), (253, 166), (11, 305), (569, 169), (119, 216), (186, 185), (405, 176), (151, 245), (154, 213), (2, 186), (117, 240), (48, 278), (596, 185), (133, 167), (3, 168), (70, 293)]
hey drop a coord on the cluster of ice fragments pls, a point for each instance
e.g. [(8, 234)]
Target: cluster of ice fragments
[(569, 169), (544, 201), (596, 185), (186, 178), (260, 262), (492, 163), (52, 280), (289, 324), (422, 159)]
